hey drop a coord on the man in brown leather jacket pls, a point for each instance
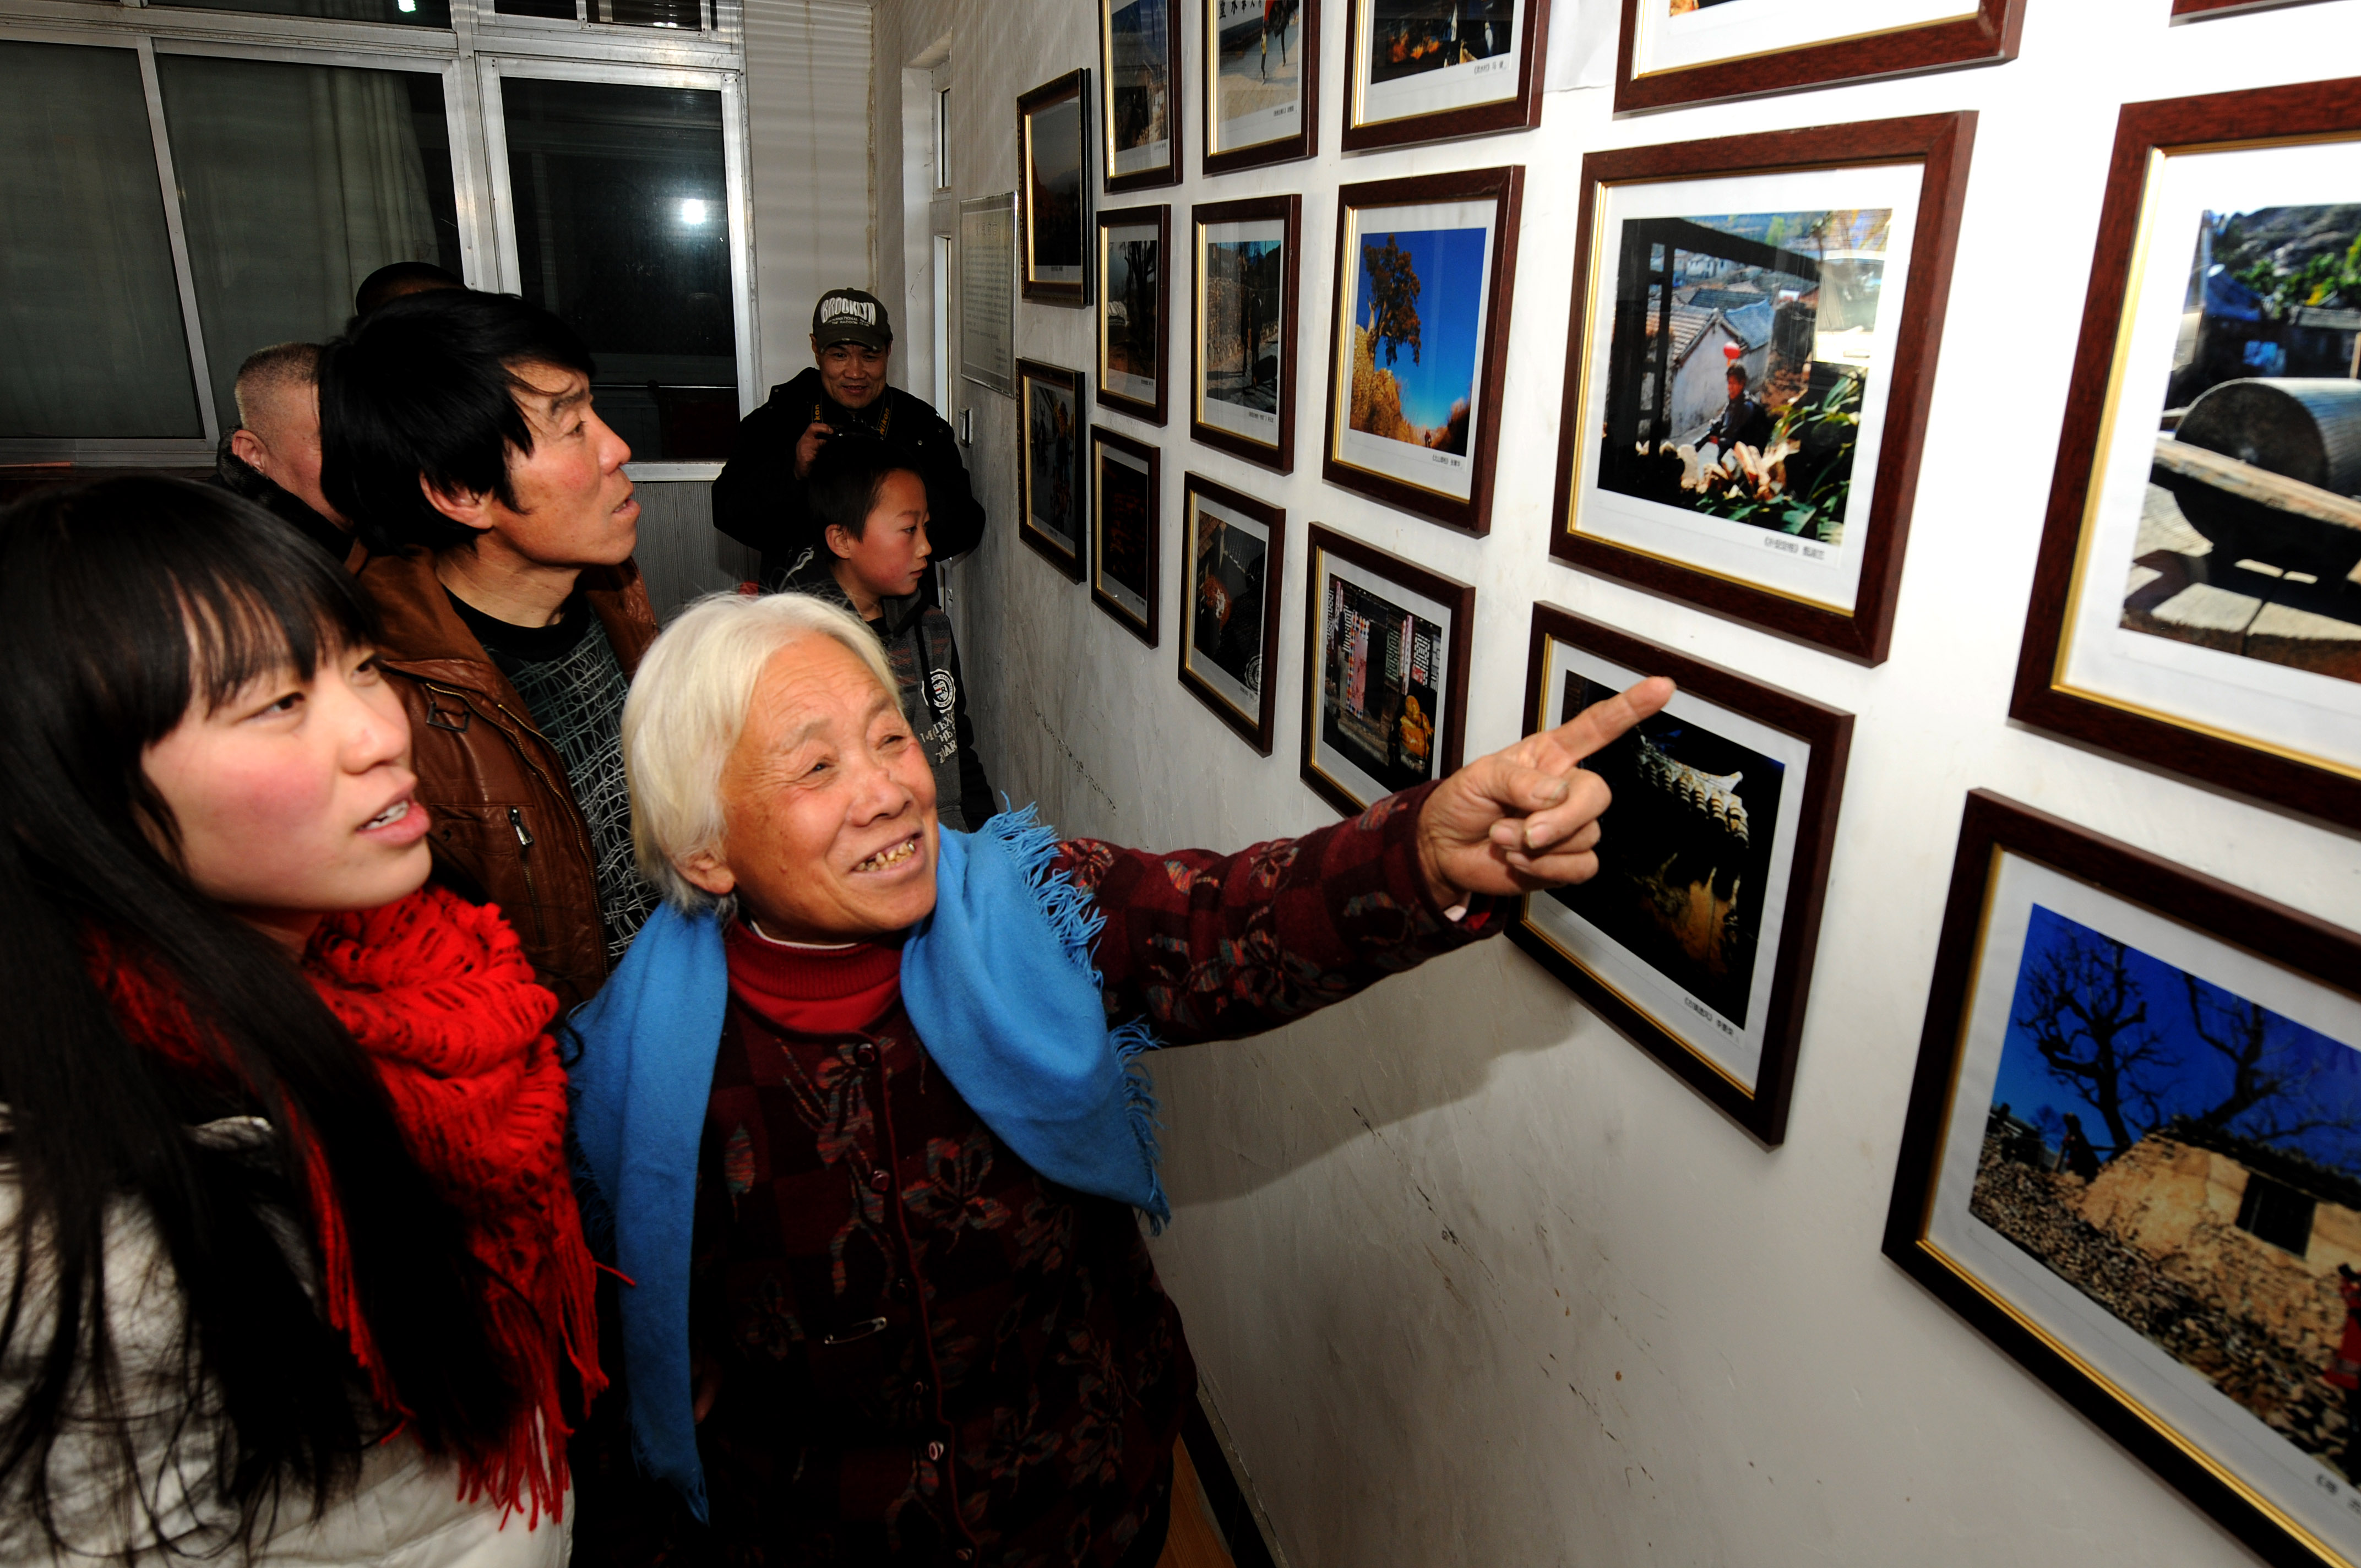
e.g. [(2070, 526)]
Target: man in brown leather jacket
[(459, 436)]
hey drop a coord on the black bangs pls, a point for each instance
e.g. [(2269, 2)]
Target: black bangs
[(139, 594)]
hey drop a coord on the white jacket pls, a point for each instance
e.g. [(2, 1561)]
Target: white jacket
[(403, 1512)]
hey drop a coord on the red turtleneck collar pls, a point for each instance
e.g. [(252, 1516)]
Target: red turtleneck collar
[(813, 991)]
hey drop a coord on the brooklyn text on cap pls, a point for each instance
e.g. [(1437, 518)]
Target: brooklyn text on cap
[(849, 315)]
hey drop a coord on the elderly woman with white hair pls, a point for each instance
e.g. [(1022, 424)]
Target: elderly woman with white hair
[(861, 1119)]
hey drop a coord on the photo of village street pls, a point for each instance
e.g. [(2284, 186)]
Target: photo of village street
[(1742, 349), (2250, 531), (2188, 1160)]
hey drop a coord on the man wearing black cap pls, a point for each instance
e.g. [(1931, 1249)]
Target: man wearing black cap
[(758, 499)]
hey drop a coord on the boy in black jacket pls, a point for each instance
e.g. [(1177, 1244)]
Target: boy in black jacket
[(870, 508)]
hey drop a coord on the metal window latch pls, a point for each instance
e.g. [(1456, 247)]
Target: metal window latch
[(858, 1331)]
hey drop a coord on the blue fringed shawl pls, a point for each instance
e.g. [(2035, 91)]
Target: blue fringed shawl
[(999, 983)]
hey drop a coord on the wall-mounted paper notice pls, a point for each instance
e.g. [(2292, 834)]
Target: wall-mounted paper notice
[(988, 291)]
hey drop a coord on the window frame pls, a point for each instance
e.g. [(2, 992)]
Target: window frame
[(470, 57)]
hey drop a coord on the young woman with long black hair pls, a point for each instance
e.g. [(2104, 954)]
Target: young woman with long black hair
[(290, 1265)]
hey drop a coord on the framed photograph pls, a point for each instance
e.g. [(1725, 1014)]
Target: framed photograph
[(1126, 529), (1429, 70), (1053, 157), (1261, 64), (1139, 60), (1420, 329), (1234, 555), (1385, 672), (1677, 52), (2197, 602), (1750, 360), (2133, 1159), (1136, 311), (1242, 328), (1696, 936), (1052, 485)]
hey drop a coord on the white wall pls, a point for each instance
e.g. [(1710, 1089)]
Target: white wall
[(1472, 1279)]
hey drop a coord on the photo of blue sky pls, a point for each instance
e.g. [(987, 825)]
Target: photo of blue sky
[(2170, 1043), (1809, 233), (1450, 267)]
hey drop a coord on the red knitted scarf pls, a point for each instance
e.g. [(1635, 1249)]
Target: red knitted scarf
[(438, 994)]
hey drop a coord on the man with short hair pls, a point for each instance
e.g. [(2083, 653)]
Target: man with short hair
[(398, 279), (758, 499), (461, 440), (273, 457)]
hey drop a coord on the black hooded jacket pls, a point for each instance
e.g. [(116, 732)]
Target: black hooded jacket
[(918, 639), (759, 503), (234, 473)]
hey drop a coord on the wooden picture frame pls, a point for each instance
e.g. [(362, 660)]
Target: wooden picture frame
[(1121, 231), (1795, 550), (1126, 529), (1281, 130), (1735, 780), (1140, 61), (2006, 1211), (2202, 10), (1053, 192), (1233, 562), (1426, 618), (1052, 454), (1495, 85), (1462, 313), (1656, 70), (1261, 294), (2206, 665)]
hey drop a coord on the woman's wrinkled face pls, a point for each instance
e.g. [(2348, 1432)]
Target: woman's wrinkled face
[(293, 799), (827, 804)]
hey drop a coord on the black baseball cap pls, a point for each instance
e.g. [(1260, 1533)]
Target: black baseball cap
[(852, 315)]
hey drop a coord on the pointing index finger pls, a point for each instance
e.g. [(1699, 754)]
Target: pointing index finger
[(1601, 722)]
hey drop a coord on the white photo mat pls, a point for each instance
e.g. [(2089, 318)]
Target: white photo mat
[(1250, 127), (1036, 502), (1062, 125), (1247, 699), (1148, 154), (1109, 455), (1256, 424), (1446, 473), (2221, 1428), (1800, 568), (1330, 567), (1737, 1050), (2261, 702), (1120, 382), (1491, 80), (1740, 28)]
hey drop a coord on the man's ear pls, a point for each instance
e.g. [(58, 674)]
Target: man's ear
[(469, 509), (248, 449), (840, 541), (709, 871)]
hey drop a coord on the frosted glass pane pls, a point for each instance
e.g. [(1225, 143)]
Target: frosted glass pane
[(90, 316), (297, 182)]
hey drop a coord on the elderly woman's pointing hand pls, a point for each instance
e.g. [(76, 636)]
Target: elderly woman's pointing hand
[(1527, 816)]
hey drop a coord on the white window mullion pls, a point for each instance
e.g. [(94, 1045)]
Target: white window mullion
[(495, 130), (174, 225), (735, 150)]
